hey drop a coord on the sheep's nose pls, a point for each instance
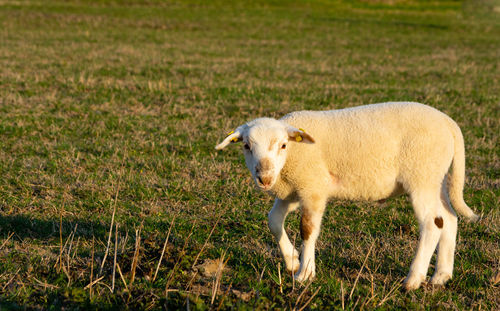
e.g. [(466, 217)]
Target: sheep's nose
[(265, 180)]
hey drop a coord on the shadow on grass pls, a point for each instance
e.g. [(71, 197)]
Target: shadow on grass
[(25, 227), (28, 227)]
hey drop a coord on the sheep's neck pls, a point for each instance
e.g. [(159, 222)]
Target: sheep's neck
[(282, 189)]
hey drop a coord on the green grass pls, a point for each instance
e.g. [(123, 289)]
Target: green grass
[(127, 99)]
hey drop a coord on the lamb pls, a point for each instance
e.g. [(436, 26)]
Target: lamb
[(370, 153)]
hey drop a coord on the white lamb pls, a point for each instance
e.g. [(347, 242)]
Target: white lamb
[(369, 153)]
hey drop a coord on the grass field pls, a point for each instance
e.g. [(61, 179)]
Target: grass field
[(110, 111)]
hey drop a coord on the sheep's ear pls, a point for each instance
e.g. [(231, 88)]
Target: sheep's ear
[(299, 135), (233, 137)]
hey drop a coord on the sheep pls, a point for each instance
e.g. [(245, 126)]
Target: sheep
[(367, 153)]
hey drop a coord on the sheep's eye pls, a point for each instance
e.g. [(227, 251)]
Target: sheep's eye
[(246, 146), (283, 146)]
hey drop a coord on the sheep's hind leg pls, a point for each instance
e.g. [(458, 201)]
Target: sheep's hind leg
[(447, 242), (426, 206), (277, 217), (309, 229)]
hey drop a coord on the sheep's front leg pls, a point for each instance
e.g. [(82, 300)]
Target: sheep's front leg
[(310, 224), (277, 217)]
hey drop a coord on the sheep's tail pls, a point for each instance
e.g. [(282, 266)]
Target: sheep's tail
[(457, 176)]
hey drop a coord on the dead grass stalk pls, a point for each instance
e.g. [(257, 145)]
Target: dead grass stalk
[(360, 270), (164, 247)]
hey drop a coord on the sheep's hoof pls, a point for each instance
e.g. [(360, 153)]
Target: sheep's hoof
[(292, 272), (413, 282), (293, 265), (440, 278), (304, 276)]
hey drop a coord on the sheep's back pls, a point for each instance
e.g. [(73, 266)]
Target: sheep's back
[(368, 148)]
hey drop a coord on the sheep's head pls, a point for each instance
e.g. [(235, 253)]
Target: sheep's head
[(265, 146)]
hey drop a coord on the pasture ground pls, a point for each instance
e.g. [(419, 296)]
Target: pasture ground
[(114, 108)]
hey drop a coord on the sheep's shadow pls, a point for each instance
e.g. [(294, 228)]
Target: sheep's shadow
[(44, 229)]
